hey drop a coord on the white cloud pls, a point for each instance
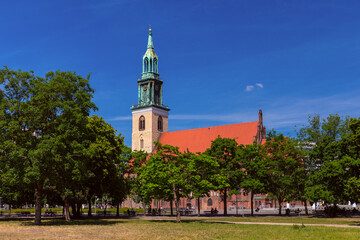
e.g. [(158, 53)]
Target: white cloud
[(249, 88), (260, 85)]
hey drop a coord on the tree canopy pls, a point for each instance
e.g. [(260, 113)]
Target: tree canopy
[(48, 140)]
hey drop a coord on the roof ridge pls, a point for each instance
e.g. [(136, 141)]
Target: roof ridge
[(210, 127)]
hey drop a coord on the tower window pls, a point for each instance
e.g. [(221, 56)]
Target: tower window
[(151, 66), (141, 143), (160, 124), (209, 203), (146, 65), (155, 66), (141, 123)]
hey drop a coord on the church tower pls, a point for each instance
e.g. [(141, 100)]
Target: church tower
[(149, 116)]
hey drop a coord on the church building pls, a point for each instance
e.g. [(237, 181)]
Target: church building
[(150, 117), (150, 124)]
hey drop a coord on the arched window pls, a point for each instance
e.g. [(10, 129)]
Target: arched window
[(209, 203), (146, 65), (155, 65), (141, 123), (151, 66), (160, 124), (141, 144)]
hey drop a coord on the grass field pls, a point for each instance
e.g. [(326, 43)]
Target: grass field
[(284, 219), (147, 229)]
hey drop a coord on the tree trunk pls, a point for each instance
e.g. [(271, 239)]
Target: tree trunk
[(73, 209), (38, 200), (198, 201), (67, 212), (225, 202), (280, 205), (306, 208), (177, 205), (118, 209), (9, 210), (171, 208), (252, 203), (78, 212), (89, 210), (144, 207)]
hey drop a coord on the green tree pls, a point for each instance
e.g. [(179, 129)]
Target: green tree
[(321, 137), (123, 185), (298, 185), (224, 151), (42, 117), (322, 140), (136, 178), (204, 176), (166, 172), (252, 160), (104, 159), (350, 145), (283, 158)]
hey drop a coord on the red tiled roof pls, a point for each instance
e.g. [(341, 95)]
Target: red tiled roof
[(198, 140)]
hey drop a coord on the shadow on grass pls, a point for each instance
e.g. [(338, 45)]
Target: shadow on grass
[(76, 222), (188, 221)]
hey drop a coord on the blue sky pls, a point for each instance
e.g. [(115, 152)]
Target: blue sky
[(220, 60)]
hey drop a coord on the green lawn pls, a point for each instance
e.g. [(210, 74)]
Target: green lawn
[(144, 229), (284, 219)]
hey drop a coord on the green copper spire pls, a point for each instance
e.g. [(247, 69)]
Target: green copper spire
[(150, 41), (150, 85)]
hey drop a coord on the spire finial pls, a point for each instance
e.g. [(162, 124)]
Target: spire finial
[(150, 41)]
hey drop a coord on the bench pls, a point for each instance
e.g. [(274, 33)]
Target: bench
[(23, 213), (291, 210), (49, 213), (209, 212), (188, 212)]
